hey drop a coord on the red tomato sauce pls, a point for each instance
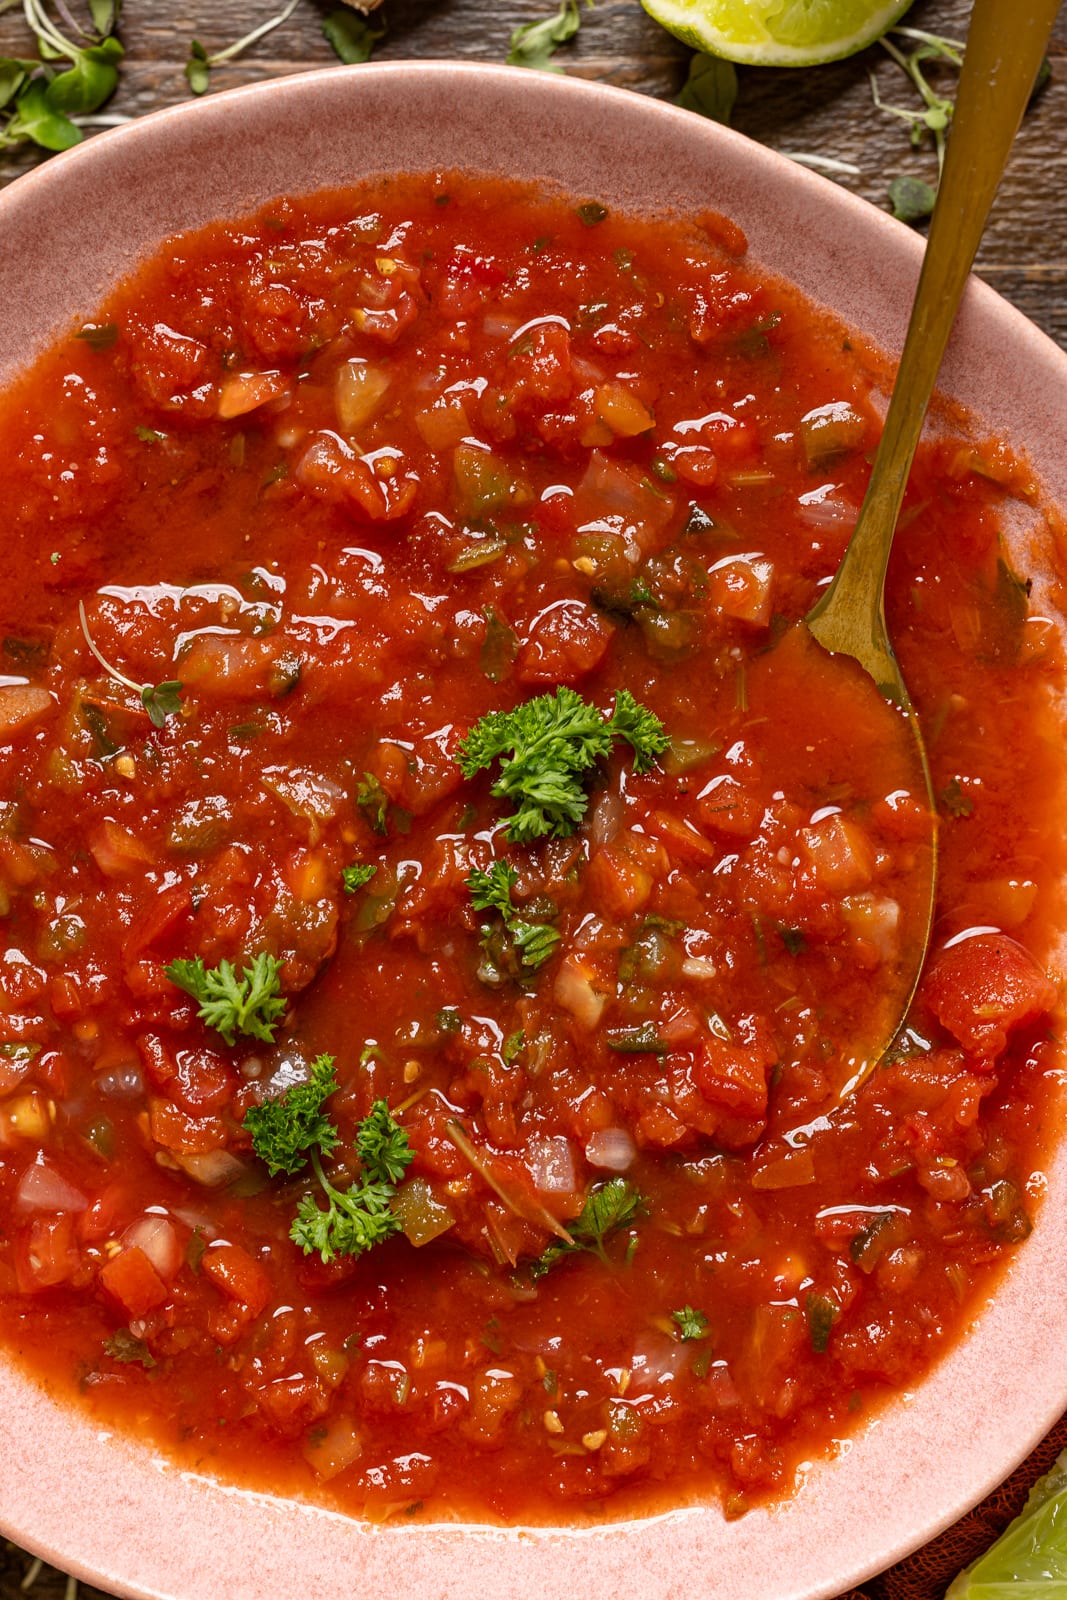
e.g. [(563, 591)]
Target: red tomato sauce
[(343, 479)]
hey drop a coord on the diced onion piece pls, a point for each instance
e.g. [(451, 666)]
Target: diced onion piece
[(212, 1168), (157, 1237), (612, 1149), (422, 1216), (788, 1171), (25, 1117), (359, 389), (333, 1449), (551, 1163), (840, 854), (42, 1188), (876, 920), (575, 992), (21, 705), (623, 412), (241, 392)]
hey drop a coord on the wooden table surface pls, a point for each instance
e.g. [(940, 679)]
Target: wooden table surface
[(825, 112)]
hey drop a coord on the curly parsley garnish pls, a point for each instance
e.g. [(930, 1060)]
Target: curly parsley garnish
[(533, 942), (610, 1206), (287, 1131), (547, 746), (249, 1004)]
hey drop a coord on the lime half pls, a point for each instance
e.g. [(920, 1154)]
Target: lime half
[(777, 33), (1029, 1560)]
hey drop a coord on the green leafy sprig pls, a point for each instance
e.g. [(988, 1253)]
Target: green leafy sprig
[(250, 1004), (286, 1129), (199, 65), (352, 38), (160, 700), (294, 1128), (533, 942), (43, 99), (609, 1207), (911, 198), (535, 43), (546, 747)]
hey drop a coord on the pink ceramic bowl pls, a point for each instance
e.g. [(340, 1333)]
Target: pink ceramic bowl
[(108, 1509)]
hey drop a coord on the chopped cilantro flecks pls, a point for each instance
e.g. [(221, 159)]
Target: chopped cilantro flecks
[(691, 1324), (533, 942), (373, 801), (355, 876), (125, 1347), (250, 1004), (610, 1206), (547, 746)]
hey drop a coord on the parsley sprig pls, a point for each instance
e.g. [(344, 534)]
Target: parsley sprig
[(286, 1132), (250, 1004), (547, 746), (532, 942), (610, 1206)]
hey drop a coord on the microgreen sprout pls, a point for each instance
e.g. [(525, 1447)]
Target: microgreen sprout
[(160, 700), (199, 65), (45, 100)]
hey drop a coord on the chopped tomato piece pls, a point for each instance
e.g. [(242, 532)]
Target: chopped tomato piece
[(983, 988)]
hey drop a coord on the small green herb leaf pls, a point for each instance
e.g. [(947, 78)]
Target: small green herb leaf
[(355, 876), (710, 89), (821, 1313), (123, 1346), (691, 1324), (535, 43), (373, 801), (610, 1206), (162, 700), (911, 199), (383, 1146), (546, 746), (352, 38), (250, 1004)]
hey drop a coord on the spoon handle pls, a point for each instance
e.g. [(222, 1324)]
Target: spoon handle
[(1005, 48)]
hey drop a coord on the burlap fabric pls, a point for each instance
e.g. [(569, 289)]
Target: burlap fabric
[(927, 1574)]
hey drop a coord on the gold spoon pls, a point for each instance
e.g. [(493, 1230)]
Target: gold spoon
[(1005, 47)]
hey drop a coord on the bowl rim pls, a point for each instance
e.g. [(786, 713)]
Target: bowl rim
[(930, 1456)]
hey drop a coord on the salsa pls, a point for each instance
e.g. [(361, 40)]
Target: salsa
[(446, 893)]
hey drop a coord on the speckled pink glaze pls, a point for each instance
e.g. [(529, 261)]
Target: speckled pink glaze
[(109, 1509)]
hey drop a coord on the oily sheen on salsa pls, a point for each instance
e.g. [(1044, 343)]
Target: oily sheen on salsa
[(444, 892)]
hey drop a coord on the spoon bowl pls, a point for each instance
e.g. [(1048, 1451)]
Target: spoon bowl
[(1004, 52)]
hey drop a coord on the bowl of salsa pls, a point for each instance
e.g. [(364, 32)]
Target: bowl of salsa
[(446, 893)]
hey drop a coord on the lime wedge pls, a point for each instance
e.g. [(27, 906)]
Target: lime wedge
[(1029, 1560), (777, 33)]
